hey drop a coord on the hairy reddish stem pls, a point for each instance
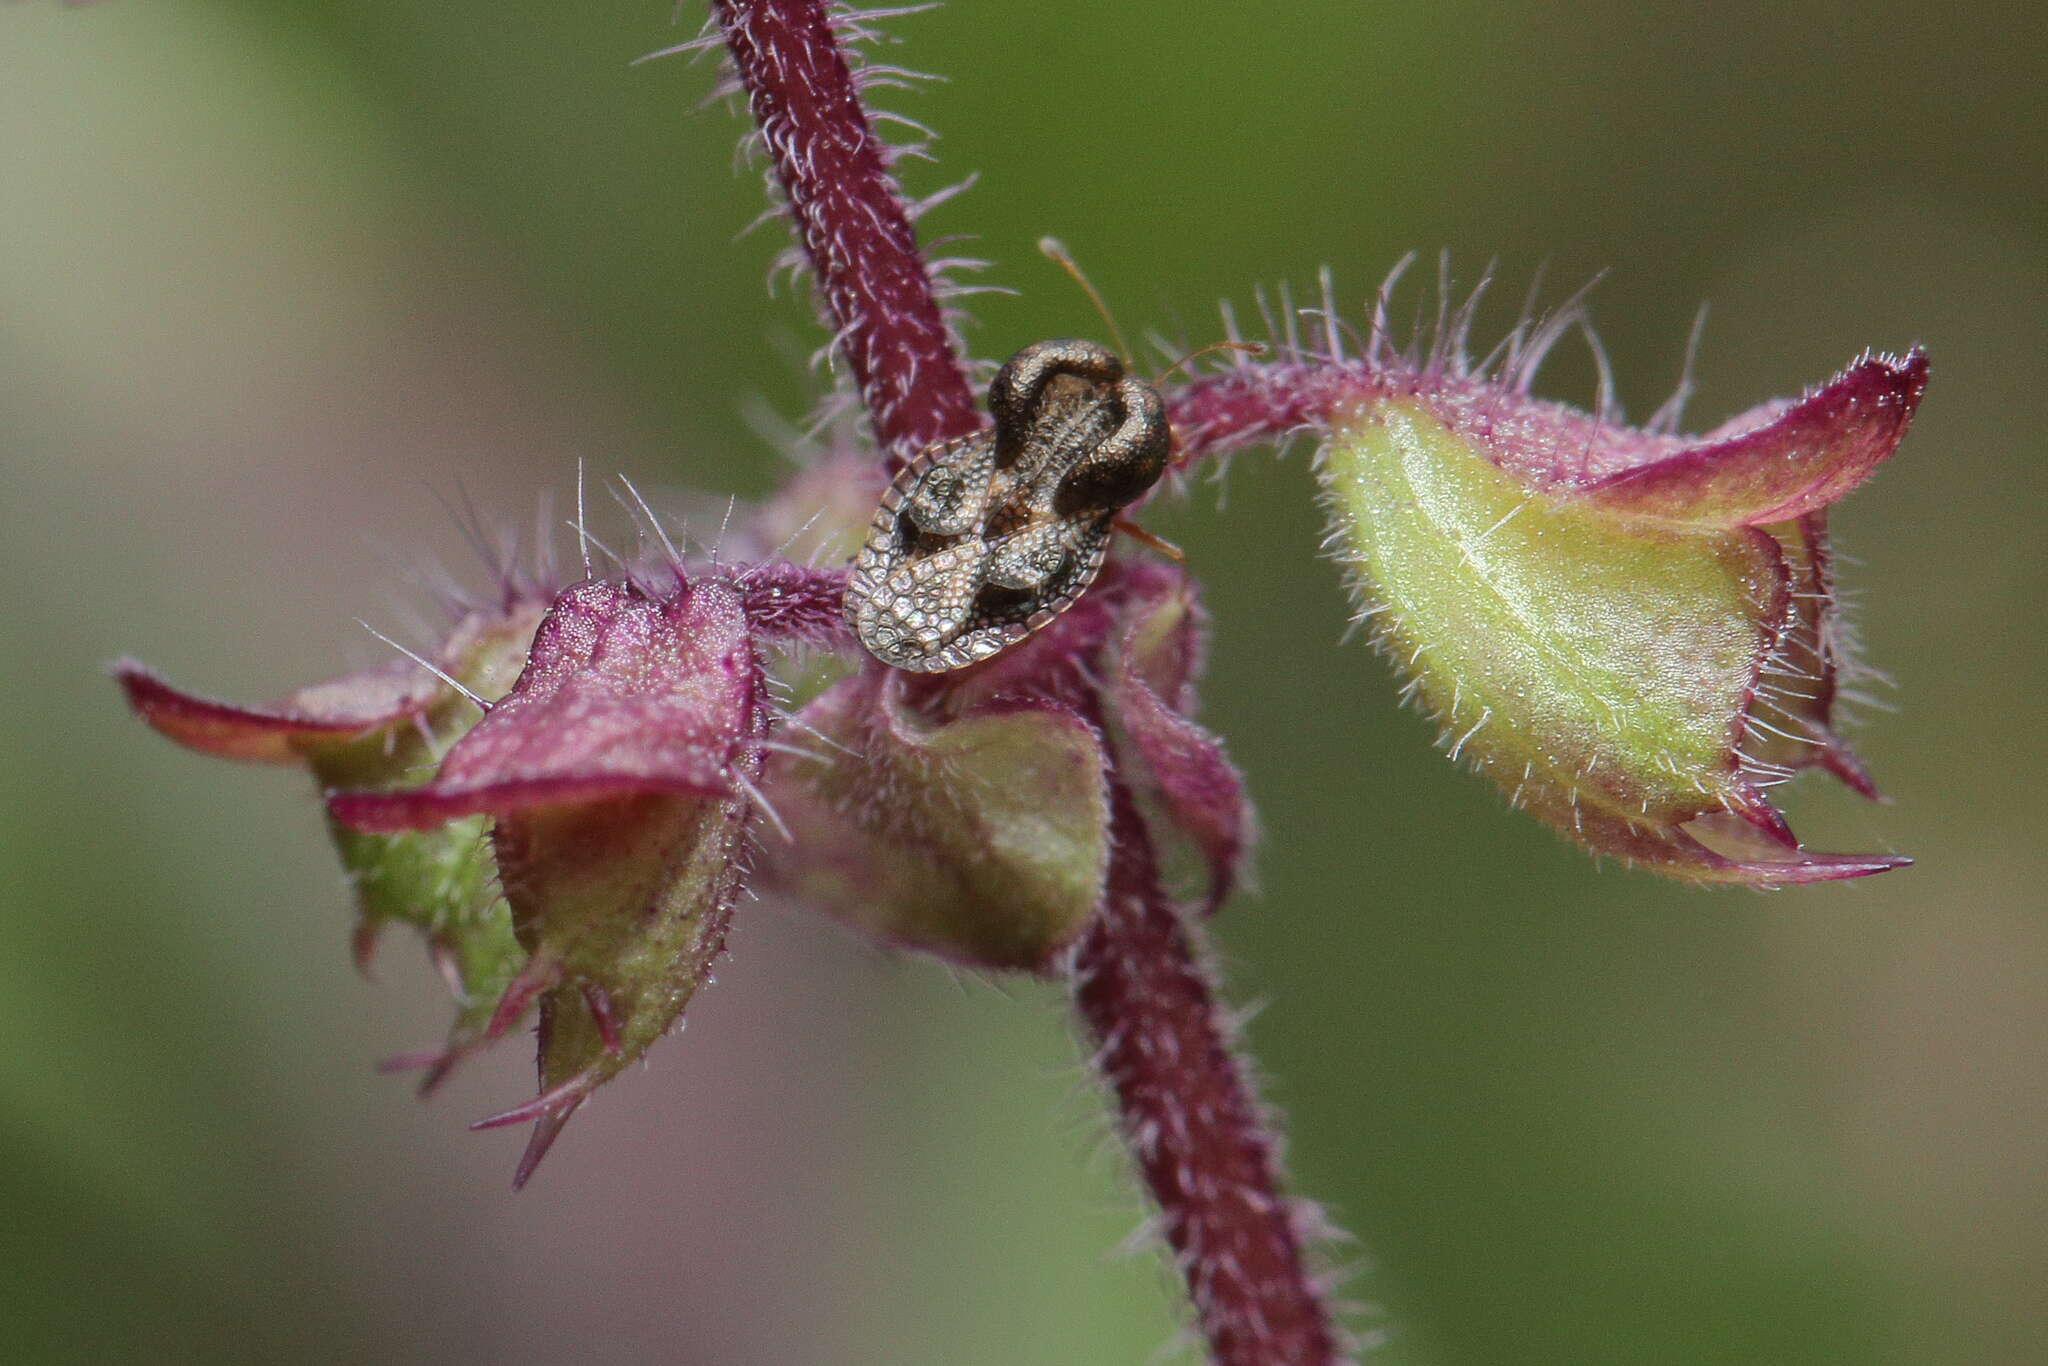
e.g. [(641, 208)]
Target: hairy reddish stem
[(1253, 402), (786, 602), (849, 219), (1189, 1117), (1187, 1110)]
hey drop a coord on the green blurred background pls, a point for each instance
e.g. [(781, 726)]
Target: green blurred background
[(274, 276)]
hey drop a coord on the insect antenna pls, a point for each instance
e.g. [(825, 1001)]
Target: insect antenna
[(1250, 348), (1056, 250)]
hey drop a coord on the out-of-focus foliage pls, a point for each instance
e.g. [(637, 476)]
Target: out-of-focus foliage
[(274, 276)]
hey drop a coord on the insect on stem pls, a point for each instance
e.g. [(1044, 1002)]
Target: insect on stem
[(981, 541)]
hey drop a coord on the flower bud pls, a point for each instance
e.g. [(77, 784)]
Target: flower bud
[(1633, 634), (980, 836), (615, 773)]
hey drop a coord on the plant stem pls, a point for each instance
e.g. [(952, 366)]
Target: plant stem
[(1187, 1109), (1246, 404), (849, 219), (1191, 1120)]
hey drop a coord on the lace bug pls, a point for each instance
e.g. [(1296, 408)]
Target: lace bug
[(982, 540)]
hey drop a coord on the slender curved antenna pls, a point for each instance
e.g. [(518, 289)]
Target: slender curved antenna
[(1056, 250), (1250, 348)]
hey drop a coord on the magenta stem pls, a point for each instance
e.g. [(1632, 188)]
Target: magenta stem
[(1186, 1108), (1191, 1120), (850, 220), (1256, 402)]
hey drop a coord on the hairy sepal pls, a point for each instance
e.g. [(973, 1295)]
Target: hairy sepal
[(1783, 461), (385, 730), (1602, 668), (614, 774), (1173, 766), (981, 837)]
